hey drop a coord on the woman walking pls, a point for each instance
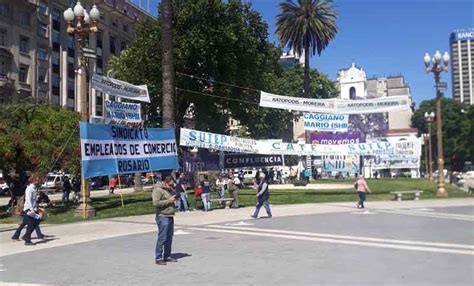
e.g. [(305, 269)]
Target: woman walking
[(361, 187)]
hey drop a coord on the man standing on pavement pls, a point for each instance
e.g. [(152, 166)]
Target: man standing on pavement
[(164, 201)]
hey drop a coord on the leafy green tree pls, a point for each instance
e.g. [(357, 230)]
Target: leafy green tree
[(458, 131), (39, 138), (306, 27), (215, 41)]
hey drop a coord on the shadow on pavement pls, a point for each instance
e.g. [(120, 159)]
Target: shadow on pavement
[(180, 255)]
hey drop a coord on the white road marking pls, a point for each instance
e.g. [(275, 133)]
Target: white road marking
[(430, 214), (348, 242), (240, 223), (366, 212), (181, 232), (424, 210)]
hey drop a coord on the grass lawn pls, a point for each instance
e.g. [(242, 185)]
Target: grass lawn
[(140, 203)]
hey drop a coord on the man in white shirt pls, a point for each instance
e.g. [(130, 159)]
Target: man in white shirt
[(30, 209)]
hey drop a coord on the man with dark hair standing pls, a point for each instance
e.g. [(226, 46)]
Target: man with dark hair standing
[(164, 201), (181, 196)]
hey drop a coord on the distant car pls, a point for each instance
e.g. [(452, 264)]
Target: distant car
[(98, 182), (54, 181)]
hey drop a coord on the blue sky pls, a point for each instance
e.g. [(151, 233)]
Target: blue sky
[(384, 37)]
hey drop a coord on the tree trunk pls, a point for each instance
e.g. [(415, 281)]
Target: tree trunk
[(138, 183), (306, 71), (168, 105)]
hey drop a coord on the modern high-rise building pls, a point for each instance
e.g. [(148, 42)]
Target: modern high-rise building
[(462, 65), (38, 57)]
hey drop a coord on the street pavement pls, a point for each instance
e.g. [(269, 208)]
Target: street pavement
[(427, 242)]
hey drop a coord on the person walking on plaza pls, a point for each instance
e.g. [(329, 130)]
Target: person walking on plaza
[(233, 185), (361, 187), (67, 187), (164, 202), (112, 185), (182, 198), (30, 210), (206, 194), (262, 197), (221, 185)]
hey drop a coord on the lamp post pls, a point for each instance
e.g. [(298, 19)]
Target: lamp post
[(81, 24), (433, 64), (429, 118), (425, 140)]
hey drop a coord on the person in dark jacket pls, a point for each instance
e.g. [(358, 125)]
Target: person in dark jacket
[(67, 187), (262, 197)]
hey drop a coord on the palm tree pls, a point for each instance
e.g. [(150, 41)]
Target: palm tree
[(167, 63), (304, 26)]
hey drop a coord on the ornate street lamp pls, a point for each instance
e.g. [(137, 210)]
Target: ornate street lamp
[(429, 118), (433, 64), (81, 24)]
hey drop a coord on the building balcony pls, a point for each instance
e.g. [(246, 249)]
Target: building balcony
[(6, 82)]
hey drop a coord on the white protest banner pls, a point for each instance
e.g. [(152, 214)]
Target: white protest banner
[(302, 149), (335, 106), (326, 122), (120, 88), (296, 103), (331, 163), (122, 112), (200, 139), (411, 163)]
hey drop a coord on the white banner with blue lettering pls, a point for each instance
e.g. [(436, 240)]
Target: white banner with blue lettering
[(201, 139), (122, 112), (326, 122), (111, 149)]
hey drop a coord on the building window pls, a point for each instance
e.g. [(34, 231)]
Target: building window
[(125, 28), (3, 37), (114, 23), (112, 45), (123, 46), (70, 88), (43, 54), (43, 8), (70, 41), (42, 75), (23, 75), (352, 93), (3, 69), (99, 39), (42, 30), (3, 10), (25, 18), (56, 16), (24, 44)]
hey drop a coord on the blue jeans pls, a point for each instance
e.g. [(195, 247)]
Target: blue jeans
[(165, 237), (361, 199), (266, 204), (206, 201), (220, 193), (17, 233), (183, 199), (65, 197)]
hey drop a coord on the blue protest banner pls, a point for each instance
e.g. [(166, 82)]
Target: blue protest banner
[(111, 149)]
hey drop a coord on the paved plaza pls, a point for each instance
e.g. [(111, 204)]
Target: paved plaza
[(429, 242)]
